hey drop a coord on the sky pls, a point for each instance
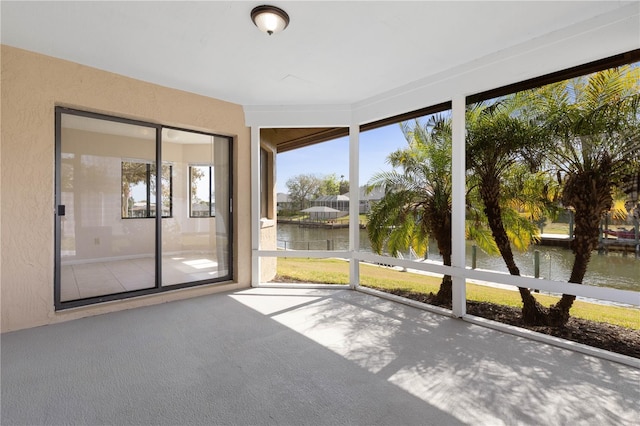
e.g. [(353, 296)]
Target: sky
[(332, 157)]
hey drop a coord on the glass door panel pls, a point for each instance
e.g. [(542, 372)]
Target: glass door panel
[(195, 238), (106, 207)]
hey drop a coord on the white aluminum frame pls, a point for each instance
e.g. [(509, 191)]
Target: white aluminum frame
[(458, 204), (458, 271)]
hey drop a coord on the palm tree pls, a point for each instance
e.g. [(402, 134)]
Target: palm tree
[(533, 196), (417, 201), (136, 172), (497, 140), (595, 125), (526, 199), (132, 174), (476, 224)]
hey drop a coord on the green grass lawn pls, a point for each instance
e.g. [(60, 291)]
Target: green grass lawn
[(336, 271), (556, 228)]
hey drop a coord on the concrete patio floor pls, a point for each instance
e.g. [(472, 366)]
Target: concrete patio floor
[(301, 356)]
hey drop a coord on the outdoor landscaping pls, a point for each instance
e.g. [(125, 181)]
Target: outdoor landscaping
[(607, 327), (563, 158)]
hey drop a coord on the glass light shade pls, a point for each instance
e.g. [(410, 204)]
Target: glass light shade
[(270, 19)]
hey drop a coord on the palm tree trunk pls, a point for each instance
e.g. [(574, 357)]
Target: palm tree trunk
[(532, 312), (589, 206), (126, 192), (490, 193), (445, 293), (442, 235)]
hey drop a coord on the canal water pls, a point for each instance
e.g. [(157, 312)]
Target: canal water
[(612, 270)]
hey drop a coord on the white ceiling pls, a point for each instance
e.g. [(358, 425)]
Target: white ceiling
[(331, 53)]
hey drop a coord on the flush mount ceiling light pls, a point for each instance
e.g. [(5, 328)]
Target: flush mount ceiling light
[(270, 19)]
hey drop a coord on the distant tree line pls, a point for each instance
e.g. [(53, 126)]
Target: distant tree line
[(304, 188)]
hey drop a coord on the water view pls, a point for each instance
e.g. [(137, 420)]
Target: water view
[(612, 270)]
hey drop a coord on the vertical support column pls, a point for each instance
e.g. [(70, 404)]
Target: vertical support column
[(458, 204), (255, 206), (158, 218), (221, 166), (354, 203)]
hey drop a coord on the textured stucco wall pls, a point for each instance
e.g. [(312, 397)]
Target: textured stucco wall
[(32, 85), (268, 265), (269, 230)]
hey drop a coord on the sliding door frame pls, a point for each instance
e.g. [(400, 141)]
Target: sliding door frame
[(59, 213)]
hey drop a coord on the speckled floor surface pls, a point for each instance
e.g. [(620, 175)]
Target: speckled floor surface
[(301, 356)]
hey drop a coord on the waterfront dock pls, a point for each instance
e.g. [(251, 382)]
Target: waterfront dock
[(619, 245), (324, 224), (606, 245), (555, 240)]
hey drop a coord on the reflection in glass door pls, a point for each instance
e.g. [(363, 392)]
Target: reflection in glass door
[(195, 240), (106, 207), (125, 226)]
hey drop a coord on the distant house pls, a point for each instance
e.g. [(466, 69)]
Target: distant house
[(341, 202), (338, 202), (283, 201), (202, 210), (323, 212), (367, 200)]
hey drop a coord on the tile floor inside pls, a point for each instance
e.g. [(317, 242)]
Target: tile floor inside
[(83, 280)]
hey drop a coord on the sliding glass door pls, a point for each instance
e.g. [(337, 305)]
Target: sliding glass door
[(139, 208)]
